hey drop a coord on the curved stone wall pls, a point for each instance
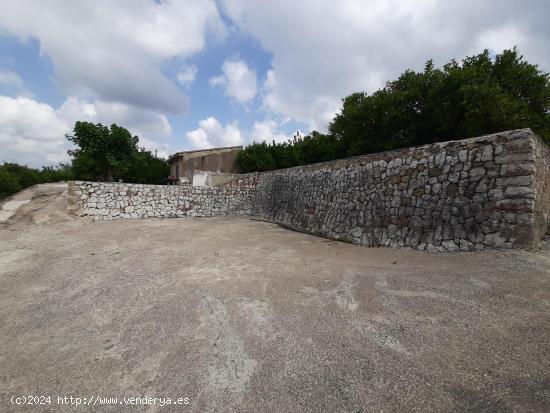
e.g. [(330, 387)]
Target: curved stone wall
[(457, 195), (487, 192)]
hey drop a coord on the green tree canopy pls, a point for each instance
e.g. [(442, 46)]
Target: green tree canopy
[(101, 151), (480, 95), (108, 154), (476, 96)]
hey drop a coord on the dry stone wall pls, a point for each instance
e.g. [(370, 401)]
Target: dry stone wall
[(458, 195), (487, 192), (104, 201), (541, 182)]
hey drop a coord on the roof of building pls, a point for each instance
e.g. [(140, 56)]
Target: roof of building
[(204, 150)]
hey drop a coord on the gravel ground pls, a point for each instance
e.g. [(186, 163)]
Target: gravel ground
[(242, 315)]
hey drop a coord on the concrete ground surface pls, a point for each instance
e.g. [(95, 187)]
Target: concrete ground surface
[(242, 315)]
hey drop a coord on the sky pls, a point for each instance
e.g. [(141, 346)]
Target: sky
[(192, 74)]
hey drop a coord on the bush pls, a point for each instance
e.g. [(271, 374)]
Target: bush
[(15, 177), (8, 184), (24, 175)]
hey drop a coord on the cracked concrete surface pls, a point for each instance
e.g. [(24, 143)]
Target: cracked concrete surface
[(242, 315)]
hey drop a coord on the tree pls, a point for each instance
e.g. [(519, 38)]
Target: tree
[(145, 168), (101, 152), (256, 157), (109, 154), (62, 172), (477, 96)]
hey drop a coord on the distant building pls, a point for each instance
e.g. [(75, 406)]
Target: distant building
[(182, 164)]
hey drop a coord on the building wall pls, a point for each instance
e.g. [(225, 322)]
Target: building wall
[(206, 178), (216, 160), (486, 192)]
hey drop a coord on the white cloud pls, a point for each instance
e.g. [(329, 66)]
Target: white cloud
[(238, 79), (217, 81), (9, 78), (33, 133), (108, 58), (186, 75), (162, 149), (267, 130), (114, 50), (323, 51), (500, 38), (12, 82), (211, 133), (141, 122)]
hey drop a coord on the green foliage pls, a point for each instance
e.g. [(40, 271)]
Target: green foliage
[(315, 148), (477, 96), (298, 151), (24, 175), (102, 151), (145, 168), (107, 154), (256, 157), (62, 172), (15, 177), (8, 184)]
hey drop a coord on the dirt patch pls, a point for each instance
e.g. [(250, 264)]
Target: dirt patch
[(243, 315)]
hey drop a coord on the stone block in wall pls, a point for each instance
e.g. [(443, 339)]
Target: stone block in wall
[(517, 169)]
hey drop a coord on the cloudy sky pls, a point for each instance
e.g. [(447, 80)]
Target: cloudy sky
[(186, 74)]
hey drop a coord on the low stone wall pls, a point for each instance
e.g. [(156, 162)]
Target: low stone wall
[(487, 192), (103, 200), (457, 195)]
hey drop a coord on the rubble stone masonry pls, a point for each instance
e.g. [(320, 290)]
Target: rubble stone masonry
[(110, 200), (486, 192)]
